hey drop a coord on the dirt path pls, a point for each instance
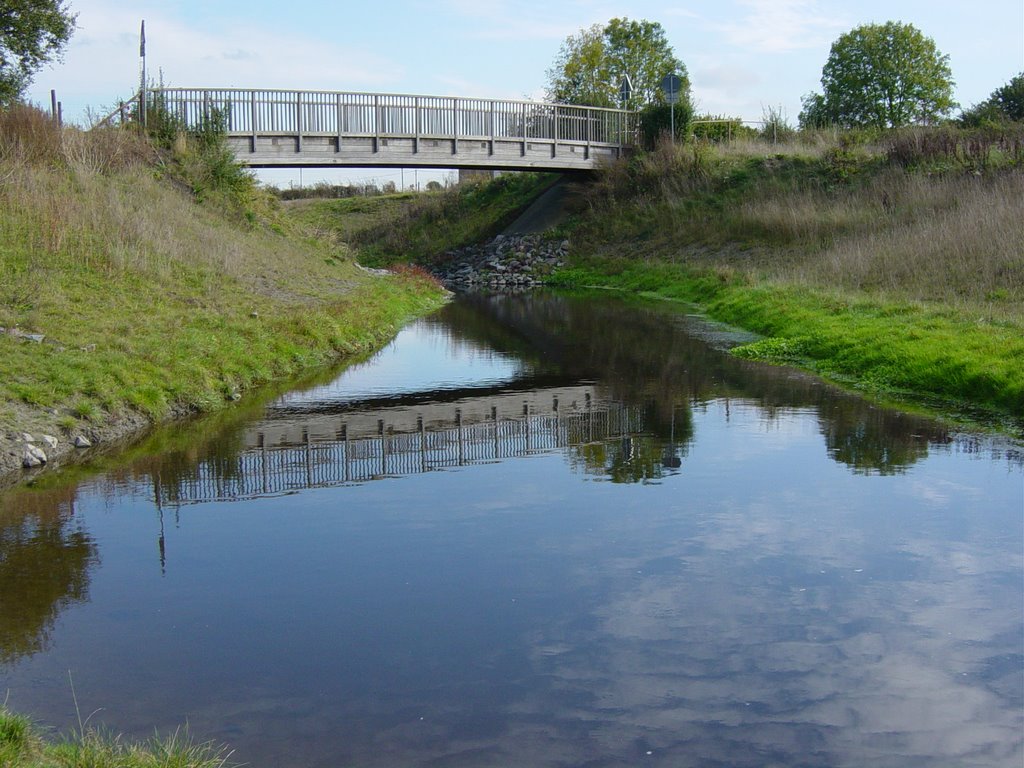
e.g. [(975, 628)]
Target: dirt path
[(546, 212)]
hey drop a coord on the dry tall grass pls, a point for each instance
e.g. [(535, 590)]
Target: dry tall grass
[(949, 239), (98, 201), (919, 216)]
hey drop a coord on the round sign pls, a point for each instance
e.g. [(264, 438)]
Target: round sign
[(671, 84)]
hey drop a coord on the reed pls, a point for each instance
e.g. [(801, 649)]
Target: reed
[(23, 746)]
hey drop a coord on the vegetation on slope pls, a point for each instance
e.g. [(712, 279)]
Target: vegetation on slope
[(895, 264), (162, 281), (420, 227)]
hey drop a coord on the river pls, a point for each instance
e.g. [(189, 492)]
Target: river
[(541, 531)]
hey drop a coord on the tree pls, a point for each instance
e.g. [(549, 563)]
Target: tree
[(580, 73), (32, 32), (884, 76), (591, 65), (814, 112), (1004, 104), (1010, 98)]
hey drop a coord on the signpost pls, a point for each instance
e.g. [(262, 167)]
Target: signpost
[(670, 84), (625, 90)]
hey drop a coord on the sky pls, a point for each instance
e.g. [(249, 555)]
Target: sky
[(743, 56)]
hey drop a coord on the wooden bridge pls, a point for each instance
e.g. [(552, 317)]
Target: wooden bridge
[(323, 129)]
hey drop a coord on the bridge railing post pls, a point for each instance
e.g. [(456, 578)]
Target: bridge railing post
[(524, 131), (338, 115), (254, 117), (455, 126), (418, 119), (490, 130), (376, 123), (554, 132)]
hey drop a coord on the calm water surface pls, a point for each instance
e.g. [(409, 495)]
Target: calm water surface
[(543, 532)]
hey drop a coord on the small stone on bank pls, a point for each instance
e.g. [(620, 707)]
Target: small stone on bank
[(33, 457), (50, 441), (81, 441)]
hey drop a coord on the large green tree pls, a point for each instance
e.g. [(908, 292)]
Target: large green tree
[(32, 32), (882, 75), (591, 64)]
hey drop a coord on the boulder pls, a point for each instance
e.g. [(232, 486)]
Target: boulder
[(33, 457)]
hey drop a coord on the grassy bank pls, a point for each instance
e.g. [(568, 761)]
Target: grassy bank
[(23, 746), (894, 265), (161, 282), (421, 226)]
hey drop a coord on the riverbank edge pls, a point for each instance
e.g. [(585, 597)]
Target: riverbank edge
[(932, 358), (24, 744), (113, 430)]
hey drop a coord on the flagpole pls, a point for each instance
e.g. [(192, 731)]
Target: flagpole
[(143, 101)]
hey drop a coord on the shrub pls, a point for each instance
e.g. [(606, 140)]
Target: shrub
[(719, 128), (656, 122)]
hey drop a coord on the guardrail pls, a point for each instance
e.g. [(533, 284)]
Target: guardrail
[(269, 470), (318, 121)]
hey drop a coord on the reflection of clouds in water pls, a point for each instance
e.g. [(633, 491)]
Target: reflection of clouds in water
[(757, 640), (939, 493)]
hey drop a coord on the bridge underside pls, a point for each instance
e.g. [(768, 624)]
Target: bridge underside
[(331, 151)]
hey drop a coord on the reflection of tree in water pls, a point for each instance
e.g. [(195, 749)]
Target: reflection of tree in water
[(645, 353), (44, 567), (643, 457), (871, 440)]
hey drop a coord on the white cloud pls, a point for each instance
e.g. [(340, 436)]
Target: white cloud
[(778, 26), (103, 58)]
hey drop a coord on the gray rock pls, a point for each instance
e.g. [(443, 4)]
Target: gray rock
[(81, 441), (50, 441), (33, 457), (27, 438)]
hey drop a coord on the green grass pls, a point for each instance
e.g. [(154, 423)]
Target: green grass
[(420, 227), (22, 746), (887, 347)]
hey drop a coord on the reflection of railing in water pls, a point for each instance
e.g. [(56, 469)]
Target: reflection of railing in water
[(271, 470)]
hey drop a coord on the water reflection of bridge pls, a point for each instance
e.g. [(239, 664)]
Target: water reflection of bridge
[(291, 457)]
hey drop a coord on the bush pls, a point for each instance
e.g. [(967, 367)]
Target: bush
[(656, 122), (946, 146), (719, 128), (775, 127)]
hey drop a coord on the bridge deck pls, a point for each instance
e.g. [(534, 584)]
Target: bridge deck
[(333, 128)]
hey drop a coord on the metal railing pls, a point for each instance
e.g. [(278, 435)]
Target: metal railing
[(269, 470), (247, 112)]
